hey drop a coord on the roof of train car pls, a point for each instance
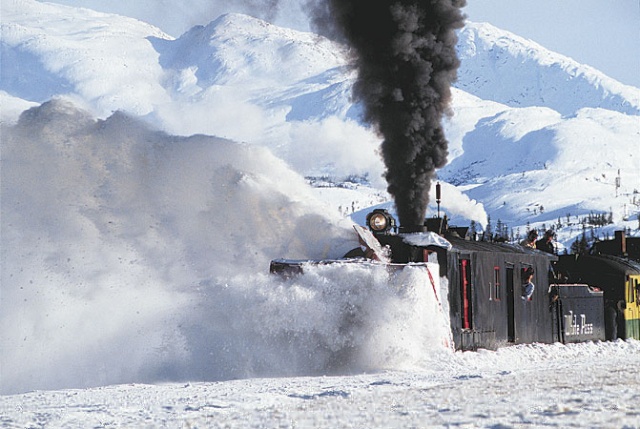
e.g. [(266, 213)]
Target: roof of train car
[(611, 262), (613, 247), (460, 244)]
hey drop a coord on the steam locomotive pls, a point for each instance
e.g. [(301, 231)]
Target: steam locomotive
[(575, 299)]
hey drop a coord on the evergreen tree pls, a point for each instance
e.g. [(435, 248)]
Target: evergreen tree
[(488, 230), (580, 245), (499, 226), (473, 230)]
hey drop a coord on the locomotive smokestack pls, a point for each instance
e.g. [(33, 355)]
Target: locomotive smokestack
[(404, 51)]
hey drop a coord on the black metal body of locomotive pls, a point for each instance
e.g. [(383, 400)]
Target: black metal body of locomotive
[(485, 281)]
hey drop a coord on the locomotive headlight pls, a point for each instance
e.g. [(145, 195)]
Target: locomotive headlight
[(380, 221)]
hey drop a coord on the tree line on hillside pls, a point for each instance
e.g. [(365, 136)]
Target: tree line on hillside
[(501, 232)]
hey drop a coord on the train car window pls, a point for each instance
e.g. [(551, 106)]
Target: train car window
[(528, 287), (496, 283)]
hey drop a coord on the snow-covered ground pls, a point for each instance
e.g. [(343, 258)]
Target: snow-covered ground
[(591, 385)]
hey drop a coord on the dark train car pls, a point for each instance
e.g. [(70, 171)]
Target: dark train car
[(619, 279), (486, 287), (486, 284), (488, 309), (578, 312), (621, 246), (486, 299)]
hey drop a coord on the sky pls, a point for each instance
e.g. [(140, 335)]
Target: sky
[(602, 34)]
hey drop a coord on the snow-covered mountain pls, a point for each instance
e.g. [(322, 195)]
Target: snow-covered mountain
[(135, 227), (500, 66), (520, 120)]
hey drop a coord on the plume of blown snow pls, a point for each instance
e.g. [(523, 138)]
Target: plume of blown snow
[(131, 255)]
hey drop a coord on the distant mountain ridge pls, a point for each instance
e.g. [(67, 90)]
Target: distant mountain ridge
[(501, 66), (224, 53), (236, 49), (224, 48)]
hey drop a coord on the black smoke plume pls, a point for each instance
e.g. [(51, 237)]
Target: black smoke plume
[(404, 51)]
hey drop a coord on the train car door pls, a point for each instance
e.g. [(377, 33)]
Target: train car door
[(511, 303), (632, 307), (466, 294)]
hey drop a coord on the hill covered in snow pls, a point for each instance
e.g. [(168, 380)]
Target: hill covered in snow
[(500, 66), (526, 121)]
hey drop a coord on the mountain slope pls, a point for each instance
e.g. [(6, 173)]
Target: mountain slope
[(521, 159), (103, 60), (503, 67), (238, 49), (519, 109)]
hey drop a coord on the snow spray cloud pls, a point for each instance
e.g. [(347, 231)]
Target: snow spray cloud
[(405, 55), (110, 228), (130, 255)]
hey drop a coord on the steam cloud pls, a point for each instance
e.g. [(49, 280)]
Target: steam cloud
[(405, 55)]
